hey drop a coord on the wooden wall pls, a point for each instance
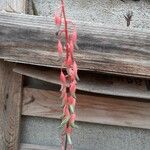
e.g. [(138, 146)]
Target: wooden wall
[(115, 73)]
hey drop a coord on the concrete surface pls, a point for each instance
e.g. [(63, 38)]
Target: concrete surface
[(88, 137), (108, 12)]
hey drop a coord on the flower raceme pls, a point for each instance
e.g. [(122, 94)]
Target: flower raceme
[(68, 73)]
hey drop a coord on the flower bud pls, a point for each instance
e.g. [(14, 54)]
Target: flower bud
[(69, 60), (59, 48), (71, 101), (72, 118), (72, 87), (74, 36), (62, 78), (71, 47), (66, 111), (75, 68), (57, 20)]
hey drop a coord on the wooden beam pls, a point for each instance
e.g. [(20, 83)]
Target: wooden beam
[(92, 82), (37, 147), (94, 109), (32, 40), (10, 106), (16, 6)]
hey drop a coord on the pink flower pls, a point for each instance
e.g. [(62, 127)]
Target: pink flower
[(57, 20), (73, 87), (59, 48), (68, 130), (62, 78), (66, 111), (74, 36), (65, 98), (69, 60), (72, 74), (71, 47), (75, 68), (72, 118), (71, 101)]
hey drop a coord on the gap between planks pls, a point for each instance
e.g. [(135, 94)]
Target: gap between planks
[(93, 109), (99, 83)]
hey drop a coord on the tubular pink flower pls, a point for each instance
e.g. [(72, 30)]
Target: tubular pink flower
[(66, 111), (72, 87), (68, 130), (72, 118), (57, 20), (69, 60), (75, 68), (74, 36), (71, 47), (71, 101), (62, 78), (59, 48)]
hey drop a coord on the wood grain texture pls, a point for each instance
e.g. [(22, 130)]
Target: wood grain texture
[(92, 82), (94, 109), (15, 6), (37, 147), (32, 40), (10, 106)]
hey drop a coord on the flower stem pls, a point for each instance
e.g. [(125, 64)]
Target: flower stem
[(66, 142), (66, 27)]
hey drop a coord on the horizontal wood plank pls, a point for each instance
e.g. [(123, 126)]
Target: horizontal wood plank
[(24, 146), (92, 82), (32, 40), (37, 147), (94, 109)]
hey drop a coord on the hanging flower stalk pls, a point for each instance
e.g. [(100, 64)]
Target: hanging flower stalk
[(68, 73)]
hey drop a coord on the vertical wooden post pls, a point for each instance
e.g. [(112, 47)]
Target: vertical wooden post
[(10, 106)]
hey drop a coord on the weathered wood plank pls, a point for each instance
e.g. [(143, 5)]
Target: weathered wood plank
[(32, 40), (10, 106), (37, 147), (92, 82), (94, 109), (17, 6)]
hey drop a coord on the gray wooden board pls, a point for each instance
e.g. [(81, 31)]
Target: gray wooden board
[(24, 146), (32, 40), (92, 82), (10, 106)]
